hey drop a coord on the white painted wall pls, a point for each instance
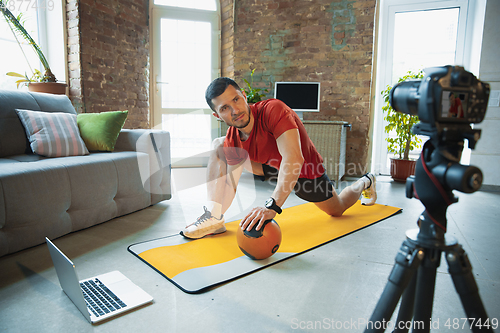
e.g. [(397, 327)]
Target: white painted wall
[(486, 156)]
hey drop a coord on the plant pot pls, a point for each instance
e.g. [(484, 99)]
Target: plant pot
[(402, 169), (48, 87)]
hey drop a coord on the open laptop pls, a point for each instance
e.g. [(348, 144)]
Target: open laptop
[(99, 297)]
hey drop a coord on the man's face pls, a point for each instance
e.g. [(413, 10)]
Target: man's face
[(232, 107)]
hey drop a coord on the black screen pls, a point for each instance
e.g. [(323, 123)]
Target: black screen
[(299, 96)]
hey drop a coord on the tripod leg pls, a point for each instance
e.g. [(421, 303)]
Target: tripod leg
[(426, 282), (405, 314), (407, 261), (461, 272)]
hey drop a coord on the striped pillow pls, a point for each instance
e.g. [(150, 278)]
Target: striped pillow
[(52, 134)]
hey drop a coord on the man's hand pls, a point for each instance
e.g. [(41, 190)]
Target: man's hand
[(257, 215)]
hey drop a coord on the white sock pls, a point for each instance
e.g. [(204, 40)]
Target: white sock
[(215, 208)]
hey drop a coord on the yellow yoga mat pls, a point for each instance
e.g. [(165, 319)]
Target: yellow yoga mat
[(196, 265)]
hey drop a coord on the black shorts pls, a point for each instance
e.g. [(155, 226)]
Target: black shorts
[(312, 190)]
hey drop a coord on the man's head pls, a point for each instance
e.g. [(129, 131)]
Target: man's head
[(229, 102), (217, 88)]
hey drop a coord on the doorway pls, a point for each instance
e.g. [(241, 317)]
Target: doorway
[(414, 35), (185, 59)]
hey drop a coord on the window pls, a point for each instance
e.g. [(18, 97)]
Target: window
[(185, 63), (427, 46), (194, 4), (14, 57), (185, 59), (41, 19)]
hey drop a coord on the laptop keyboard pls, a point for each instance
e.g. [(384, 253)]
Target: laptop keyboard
[(100, 300)]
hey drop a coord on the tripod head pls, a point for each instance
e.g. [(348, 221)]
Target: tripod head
[(436, 176)]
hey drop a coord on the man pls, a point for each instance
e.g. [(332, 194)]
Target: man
[(456, 110), (263, 138)]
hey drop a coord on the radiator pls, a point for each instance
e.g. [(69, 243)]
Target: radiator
[(329, 138)]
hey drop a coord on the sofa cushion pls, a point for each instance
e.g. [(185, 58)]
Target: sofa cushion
[(100, 130), (13, 139), (52, 134), (36, 197)]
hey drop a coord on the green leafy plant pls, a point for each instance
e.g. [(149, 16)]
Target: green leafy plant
[(25, 79), (401, 123), (18, 29), (253, 94)]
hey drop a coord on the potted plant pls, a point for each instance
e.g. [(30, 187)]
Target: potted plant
[(401, 124), (253, 94), (38, 82)]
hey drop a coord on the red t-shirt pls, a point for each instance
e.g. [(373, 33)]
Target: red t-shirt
[(454, 108), (272, 118)]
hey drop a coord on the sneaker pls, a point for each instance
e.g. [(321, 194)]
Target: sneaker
[(369, 194), (205, 225)]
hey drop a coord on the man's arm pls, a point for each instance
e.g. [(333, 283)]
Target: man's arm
[(291, 164)]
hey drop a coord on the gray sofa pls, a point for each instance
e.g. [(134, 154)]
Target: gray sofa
[(51, 197)]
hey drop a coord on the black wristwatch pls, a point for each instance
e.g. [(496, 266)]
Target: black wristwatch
[(271, 204)]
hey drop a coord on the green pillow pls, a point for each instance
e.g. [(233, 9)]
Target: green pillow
[(100, 131)]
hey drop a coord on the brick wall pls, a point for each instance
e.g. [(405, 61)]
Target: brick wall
[(108, 55), (329, 41), (74, 64), (227, 37)]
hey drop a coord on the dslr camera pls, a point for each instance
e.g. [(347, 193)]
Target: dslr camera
[(447, 100)]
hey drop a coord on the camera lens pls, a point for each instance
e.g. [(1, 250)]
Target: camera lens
[(404, 97)]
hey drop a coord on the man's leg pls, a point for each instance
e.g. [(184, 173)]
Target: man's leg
[(221, 182), (218, 200), (338, 204), (219, 196)]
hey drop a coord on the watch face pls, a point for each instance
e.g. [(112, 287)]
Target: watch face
[(271, 204)]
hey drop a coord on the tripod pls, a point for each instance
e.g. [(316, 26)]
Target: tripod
[(413, 276)]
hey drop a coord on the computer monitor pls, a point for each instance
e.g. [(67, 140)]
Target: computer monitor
[(299, 96)]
